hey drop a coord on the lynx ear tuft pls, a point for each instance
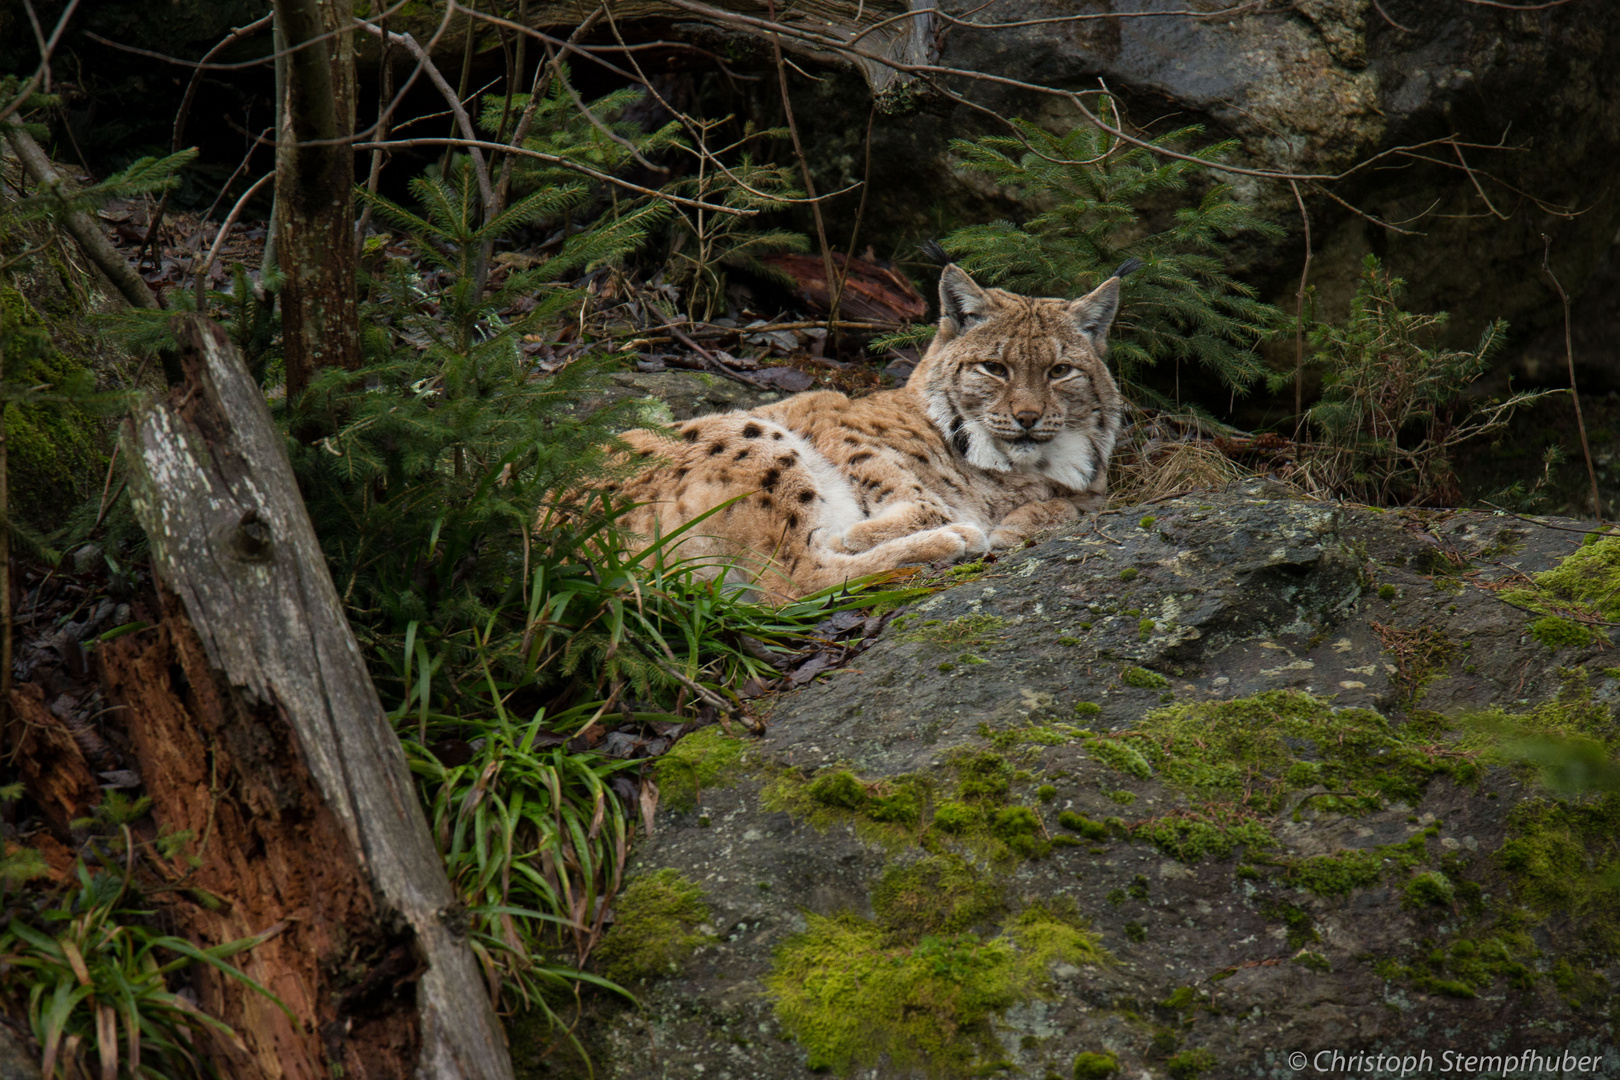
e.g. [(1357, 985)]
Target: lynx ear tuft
[(1128, 267), (934, 253), (1094, 313), (961, 301)]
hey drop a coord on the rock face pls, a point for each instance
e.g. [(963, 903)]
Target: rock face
[(1313, 87), (1200, 786)]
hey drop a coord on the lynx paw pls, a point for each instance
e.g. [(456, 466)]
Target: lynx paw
[(1003, 537), (973, 538)]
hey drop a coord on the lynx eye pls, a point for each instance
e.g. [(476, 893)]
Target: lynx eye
[(1060, 370), (989, 367)]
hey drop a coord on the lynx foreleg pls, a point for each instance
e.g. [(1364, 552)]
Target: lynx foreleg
[(1036, 517)]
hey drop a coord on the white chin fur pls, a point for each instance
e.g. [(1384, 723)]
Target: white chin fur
[(1070, 458)]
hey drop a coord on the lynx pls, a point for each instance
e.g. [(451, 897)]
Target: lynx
[(1004, 429)]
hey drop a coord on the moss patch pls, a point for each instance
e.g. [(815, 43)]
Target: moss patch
[(940, 894), (654, 928), (707, 758), (1143, 679), (852, 995), (1580, 591), (962, 630), (57, 450), (1091, 1065)]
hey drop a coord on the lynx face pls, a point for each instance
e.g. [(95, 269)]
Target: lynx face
[(1018, 382)]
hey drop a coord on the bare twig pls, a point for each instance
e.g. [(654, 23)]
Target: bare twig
[(1569, 355), (385, 90), (855, 229), (201, 276), (184, 113), (798, 151), (1299, 319), (41, 73), (709, 358), (469, 140)]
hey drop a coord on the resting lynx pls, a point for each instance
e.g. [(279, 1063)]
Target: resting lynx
[(1003, 429)]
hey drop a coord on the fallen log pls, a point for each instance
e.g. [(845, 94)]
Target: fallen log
[(900, 31), (258, 728)]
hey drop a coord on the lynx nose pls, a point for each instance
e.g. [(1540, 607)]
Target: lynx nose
[(1028, 418)]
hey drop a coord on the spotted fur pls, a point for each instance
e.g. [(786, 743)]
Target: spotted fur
[(1004, 429)]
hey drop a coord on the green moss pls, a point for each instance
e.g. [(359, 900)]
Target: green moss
[(1466, 966), (1080, 823), (1191, 836), (1089, 1065), (852, 996), (1129, 573), (983, 776), (1342, 873), (1190, 1064), (1143, 679), (1091, 708), (1019, 828), (1557, 633), (1337, 875), (962, 630), (1135, 931), (1046, 792), (1297, 922), (903, 807), (1068, 641), (1587, 578), (654, 927), (1386, 592), (839, 789), (1121, 756), (707, 758), (1430, 889), (956, 817), (57, 451), (941, 894), (1563, 859), (1313, 961), (1144, 629), (1146, 523), (1248, 751)]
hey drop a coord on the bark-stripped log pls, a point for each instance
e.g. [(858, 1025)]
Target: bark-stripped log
[(901, 31), (257, 726)]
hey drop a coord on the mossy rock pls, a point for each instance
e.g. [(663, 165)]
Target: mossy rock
[(655, 928)]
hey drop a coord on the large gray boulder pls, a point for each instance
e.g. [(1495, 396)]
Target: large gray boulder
[(1197, 787), (1312, 87)]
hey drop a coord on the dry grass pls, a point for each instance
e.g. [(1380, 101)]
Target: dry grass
[(1155, 470)]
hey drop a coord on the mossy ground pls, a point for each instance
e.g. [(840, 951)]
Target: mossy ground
[(707, 758), (915, 985), (655, 928), (1575, 596), (57, 450)]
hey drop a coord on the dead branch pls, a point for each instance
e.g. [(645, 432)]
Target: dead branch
[(1569, 355), (84, 229), (43, 72)]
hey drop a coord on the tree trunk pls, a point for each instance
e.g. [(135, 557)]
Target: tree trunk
[(257, 727), (315, 192)]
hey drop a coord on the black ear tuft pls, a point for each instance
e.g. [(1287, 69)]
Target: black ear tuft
[(1129, 266), (934, 253)]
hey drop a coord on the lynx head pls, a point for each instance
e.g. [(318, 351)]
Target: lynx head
[(1018, 383)]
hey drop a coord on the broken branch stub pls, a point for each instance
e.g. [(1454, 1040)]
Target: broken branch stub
[(270, 681)]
